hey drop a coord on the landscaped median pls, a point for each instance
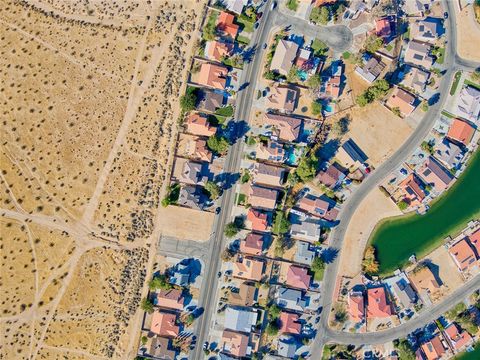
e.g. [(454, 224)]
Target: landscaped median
[(396, 239)]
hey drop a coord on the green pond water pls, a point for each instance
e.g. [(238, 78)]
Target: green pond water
[(474, 355), (396, 239)]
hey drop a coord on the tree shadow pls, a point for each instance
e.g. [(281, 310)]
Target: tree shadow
[(227, 180), (434, 99), (235, 130), (329, 255), (249, 53)]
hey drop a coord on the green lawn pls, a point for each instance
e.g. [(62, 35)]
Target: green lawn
[(246, 23), (456, 80), (471, 83), (440, 55), (396, 239), (241, 198), (226, 111), (216, 120), (319, 47), (292, 5), (243, 40), (318, 276), (346, 55)]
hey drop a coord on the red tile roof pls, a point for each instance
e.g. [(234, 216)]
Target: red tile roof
[(217, 50), (412, 189), (434, 348), (402, 100), (163, 324), (213, 75), (382, 28), (463, 255), (475, 241), (298, 277), (289, 323), (461, 131), (198, 124), (234, 343), (226, 25), (458, 337), (377, 305), (356, 306), (252, 244), (258, 219)]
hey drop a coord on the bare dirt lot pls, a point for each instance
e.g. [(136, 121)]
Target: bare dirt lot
[(373, 208), (377, 131), (468, 31), (89, 107)]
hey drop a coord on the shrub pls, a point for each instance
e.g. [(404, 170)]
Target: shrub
[(373, 43), (226, 111), (402, 205), (189, 100), (272, 328), (369, 264), (281, 224), (292, 5), (212, 189), (320, 15), (316, 108), (231, 229), (307, 167), (341, 126), (319, 47), (147, 305), (405, 351), (159, 282), (218, 144)]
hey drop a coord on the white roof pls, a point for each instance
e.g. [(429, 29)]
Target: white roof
[(240, 319)]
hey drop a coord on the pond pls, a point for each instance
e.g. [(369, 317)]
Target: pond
[(396, 239)]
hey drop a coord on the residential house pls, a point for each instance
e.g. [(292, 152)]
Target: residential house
[(271, 151), (424, 281), (449, 154), (463, 255), (235, 6), (197, 124), (268, 174), (160, 348), (404, 293), (418, 53), (286, 128), (284, 56), (306, 229), (298, 277), (412, 189), (245, 295), (378, 305), (461, 132), (213, 75), (248, 268), (304, 253), (333, 83), (435, 175), (171, 299), (318, 207), (192, 197), (282, 98), (286, 347), (474, 239), (350, 155), (262, 197), (434, 349), (211, 100), (252, 244), (217, 50), (291, 299), (356, 306), (415, 79), (181, 275), (226, 26), (163, 324), (385, 27), (257, 220), (457, 337), (468, 103), (416, 7), (370, 70), (234, 343), (401, 100), (289, 323), (426, 30), (190, 172), (303, 59), (240, 319), (332, 176), (196, 149)]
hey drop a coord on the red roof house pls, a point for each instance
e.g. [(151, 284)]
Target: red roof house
[(216, 50), (213, 75), (198, 124), (298, 277), (461, 131), (172, 299), (475, 241), (434, 348), (289, 323), (163, 324), (377, 303), (458, 338), (356, 306), (258, 220), (226, 25), (252, 244), (463, 255), (411, 187), (383, 28), (234, 343)]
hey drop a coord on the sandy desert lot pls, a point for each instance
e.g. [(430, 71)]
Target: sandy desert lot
[(89, 104), (468, 31)]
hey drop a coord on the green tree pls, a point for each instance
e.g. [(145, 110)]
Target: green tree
[(427, 146), (292, 5), (159, 282), (231, 229), (476, 74), (146, 305), (273, 312), (373, 43), (396, 111), (292, 76), (144, 340), (212, 189), (316, 108), (188, 101), (189, 319), (318, 264), (307, 167), (218, 144), (402, 205), (405, 351), (209, 30), (319, 47), (320, 15), (369, 263), (272, 329), (281, 224), (363, 99)]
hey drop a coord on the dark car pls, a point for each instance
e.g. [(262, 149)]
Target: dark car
[(259, 15), (264, 46), (217, 210), (445, 15)]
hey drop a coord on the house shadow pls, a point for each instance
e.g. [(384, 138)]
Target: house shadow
[(227, 180), (194, 268), (249, 53), (435, 269), (328, 150), (235, 130), (329, 255)]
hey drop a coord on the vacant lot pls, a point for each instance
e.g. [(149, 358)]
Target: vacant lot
[(468, 33), (377, 131), (186, 224), (89, 107)]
